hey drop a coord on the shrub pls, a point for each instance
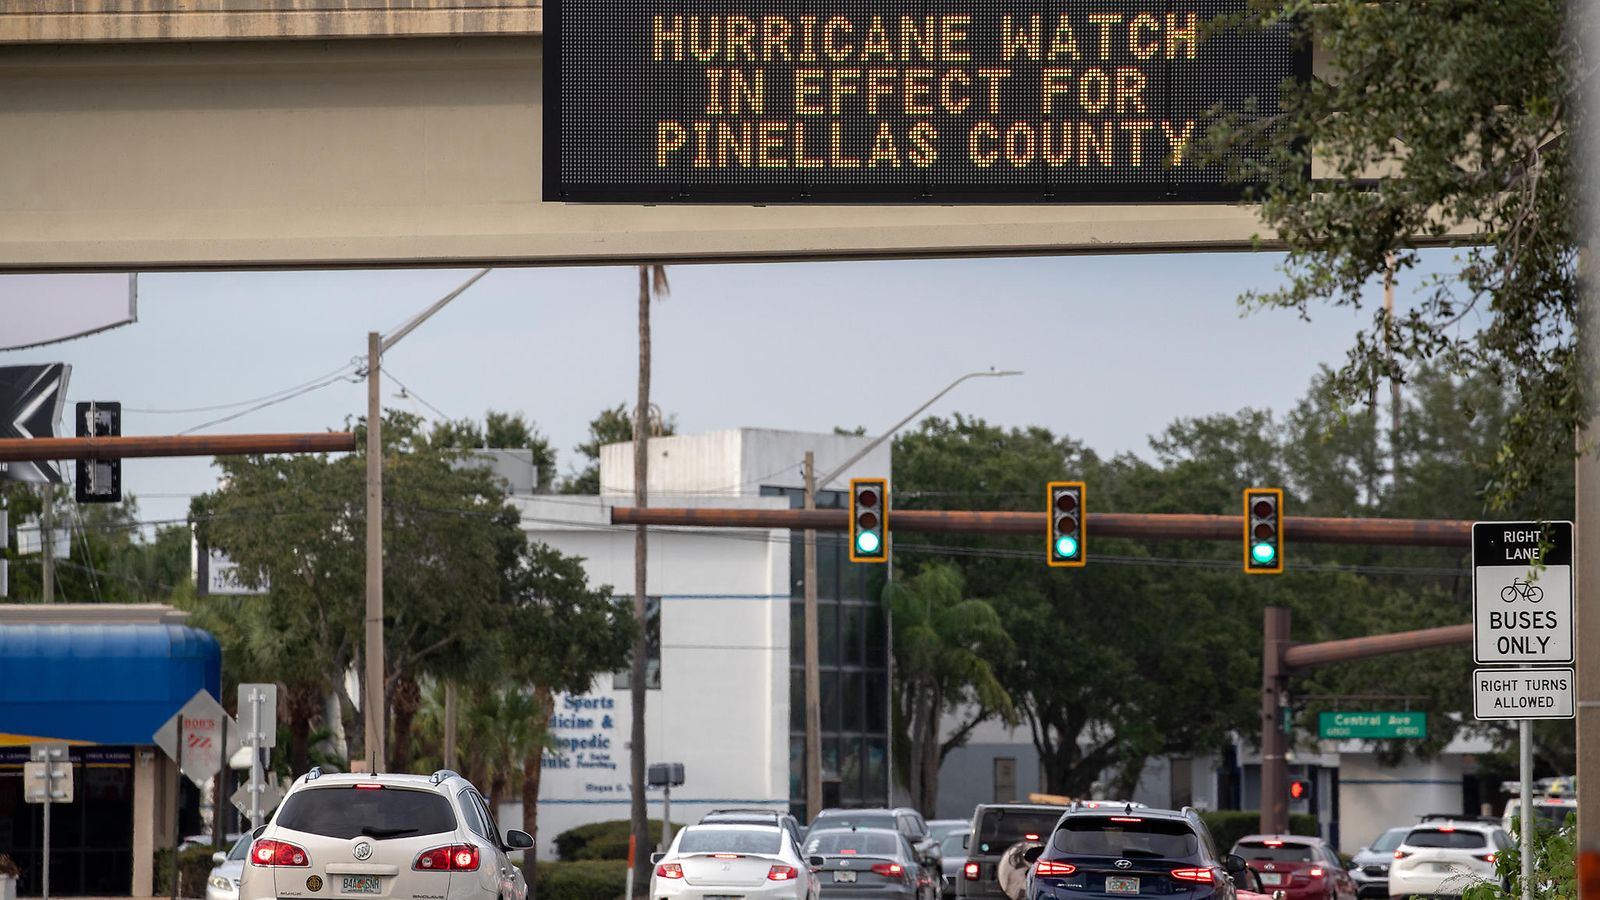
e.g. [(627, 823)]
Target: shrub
[(1229, 825), (600, 840), (194, 867), (589, 879)]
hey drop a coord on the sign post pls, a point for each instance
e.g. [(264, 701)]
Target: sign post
[(258, 720), (1522, 615), (47, 779)]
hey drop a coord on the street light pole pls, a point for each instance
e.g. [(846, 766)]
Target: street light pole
[(372, 695), (813, 674)]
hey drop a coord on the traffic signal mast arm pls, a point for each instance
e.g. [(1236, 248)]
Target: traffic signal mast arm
[(37, 449), (1144, 526)]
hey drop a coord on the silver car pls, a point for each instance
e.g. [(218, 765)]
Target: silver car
[(223, 882), (861, 863), (1370, 865)]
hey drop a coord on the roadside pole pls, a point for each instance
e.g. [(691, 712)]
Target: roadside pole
[(1274, 742), (177, 805), (813, 671), (1525, 729)]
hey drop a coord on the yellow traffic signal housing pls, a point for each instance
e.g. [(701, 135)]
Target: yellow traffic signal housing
[(1064, 511)]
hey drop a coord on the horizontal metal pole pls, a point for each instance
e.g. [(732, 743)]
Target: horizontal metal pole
[(40, 449), (1306, 656), (1149, 526)]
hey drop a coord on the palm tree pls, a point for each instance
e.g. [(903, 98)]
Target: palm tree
[(652, 282)]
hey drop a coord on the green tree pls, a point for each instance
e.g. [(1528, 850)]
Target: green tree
[(1467, 115), (943, 644), (611, 426), (108, 560), (501, 431)]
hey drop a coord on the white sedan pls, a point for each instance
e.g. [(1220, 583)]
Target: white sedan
[(756, 862)]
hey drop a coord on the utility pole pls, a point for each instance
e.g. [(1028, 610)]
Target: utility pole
[(47, 541), (652, 280), (372, 698), (449, 725), (1274, 741), (813, 665), (1587, 475)]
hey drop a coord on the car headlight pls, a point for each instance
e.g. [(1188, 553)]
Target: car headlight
[(220, 883)]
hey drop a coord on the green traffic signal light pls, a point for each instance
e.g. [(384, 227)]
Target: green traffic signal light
[(1263, 553), (868, 542), (1066, 546)]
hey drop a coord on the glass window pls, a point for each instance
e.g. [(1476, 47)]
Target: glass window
[(348, 812), (1000, 828), (877, 703), (877, 775), (797, 633), (852, 640), (827, 633), (853, 699), (845, 819), (241, 848), (954, 845), (1389, 840), (620, 681), (1147, 838), (797, 769), (850, 771), (830, 701), (766, 841), (851, 843), (1450, 840), (488, 816), (877, 653), (474, 815), (1278, 851), (797, 699)]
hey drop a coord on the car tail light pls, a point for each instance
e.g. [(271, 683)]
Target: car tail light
[(1054, 867), (1314, 872), (1488, 857), (1200, 876), (1030, 837), (782, 873), (888, 870), (669, 870), (1273, 843), (1447, 828), (724, 856), (970, 871), (1126, 819), (1401, 854), (278, 853), (368, 786), (451, 858)]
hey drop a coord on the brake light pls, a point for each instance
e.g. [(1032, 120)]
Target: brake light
[(1200, 876), (1273, 843), (278, 853), (369, 787), (888, 870), (1054, 867), (970, 871), (450, 858), (1447, 828), (848, 851), (1488, 857), (1126, 819), (1314, 872), (782, 873), (669, 870), (1030, 837), (724, 856), (1401, 854)]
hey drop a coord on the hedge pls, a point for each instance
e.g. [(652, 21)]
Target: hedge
[(601, 840), (589, 879), (194, 867), (1229, 825)]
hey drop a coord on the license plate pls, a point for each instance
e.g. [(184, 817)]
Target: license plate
[(1443, 867), (842, 877), (1117, 884), (361, 884), (723, 897), (1271, 878)]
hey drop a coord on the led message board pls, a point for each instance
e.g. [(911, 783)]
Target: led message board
[(931, 101)]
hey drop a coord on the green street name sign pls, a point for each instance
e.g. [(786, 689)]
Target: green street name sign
[(1372, 725)]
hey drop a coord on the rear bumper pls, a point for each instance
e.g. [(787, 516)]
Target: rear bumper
[(677, 889), (853, 892), (1434, 884)]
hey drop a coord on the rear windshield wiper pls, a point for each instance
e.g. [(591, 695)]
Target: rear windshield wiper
[(375, 831)]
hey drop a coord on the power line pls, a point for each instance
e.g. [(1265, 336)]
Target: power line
[(263, 405), (237, 403)]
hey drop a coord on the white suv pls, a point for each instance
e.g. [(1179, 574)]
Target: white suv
[(1446, 857), (400, 837)]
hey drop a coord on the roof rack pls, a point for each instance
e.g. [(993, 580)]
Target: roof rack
[(443, 775), (314, 774)]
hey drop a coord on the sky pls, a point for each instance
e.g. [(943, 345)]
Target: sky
[(1113, 348)]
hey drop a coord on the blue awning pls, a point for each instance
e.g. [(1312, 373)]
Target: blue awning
[(100, 684)]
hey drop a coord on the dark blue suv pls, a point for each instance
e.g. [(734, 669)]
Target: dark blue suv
[(1110, 853)]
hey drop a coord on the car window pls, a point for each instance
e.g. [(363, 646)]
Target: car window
[(488, 817), (856, 820), (1389, 840), (241, 848), (952, 845), (1448, 839), (1281, 851), (472, 815), (852, 843), (1137, 838), (919, 826), (1000, 828), (730, 840), (382, 813)]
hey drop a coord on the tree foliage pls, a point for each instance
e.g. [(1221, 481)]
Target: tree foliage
[(500, 431), (1439, 123), (611, 426)]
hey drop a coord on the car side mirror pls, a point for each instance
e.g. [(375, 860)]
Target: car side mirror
[(816, 862), (1234, 863), (657, 857), (518, 840), (1032, 854), (218, 858)]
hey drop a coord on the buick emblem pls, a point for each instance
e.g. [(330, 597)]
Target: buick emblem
[(1124, 863), (1269, 867), (362, 850)]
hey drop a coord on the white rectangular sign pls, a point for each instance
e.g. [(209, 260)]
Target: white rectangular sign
[(1522, 693), (1521, 592)]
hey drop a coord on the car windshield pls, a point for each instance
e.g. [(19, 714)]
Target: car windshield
[(854, 820), (349, 812), (1282, 851), (1127, 836), (1389, 840), (852, 843), (765, 841), (952, 845), (241, 848), (1000, 828), (1446, 839), (1552, 814)]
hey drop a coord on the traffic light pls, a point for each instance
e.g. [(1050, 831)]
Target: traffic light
[(869, 520), (1065, 514), (1299, 789), (99, 480), (1263, 530)]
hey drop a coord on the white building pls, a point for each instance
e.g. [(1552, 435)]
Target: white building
[(721, 700)]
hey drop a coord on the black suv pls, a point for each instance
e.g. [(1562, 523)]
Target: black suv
[(1111, 853), (996, 827)]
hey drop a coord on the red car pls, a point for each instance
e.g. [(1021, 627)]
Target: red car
[(1302, 867)]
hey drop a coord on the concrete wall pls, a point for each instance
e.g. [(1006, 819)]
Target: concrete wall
[(735, 462), (1373, 798)]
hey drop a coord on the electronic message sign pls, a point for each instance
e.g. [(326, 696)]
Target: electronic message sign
[(931, 101)]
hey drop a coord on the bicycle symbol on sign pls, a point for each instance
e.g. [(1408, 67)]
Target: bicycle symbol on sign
[(1524, 590)]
